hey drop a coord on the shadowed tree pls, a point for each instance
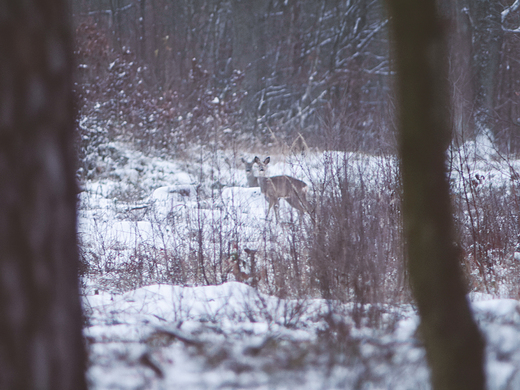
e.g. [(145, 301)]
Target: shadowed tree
[(484, 24), (454, 345), (41, 345), (249, 44)]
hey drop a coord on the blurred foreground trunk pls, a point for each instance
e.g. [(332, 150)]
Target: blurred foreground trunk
[(41, 345), (454, 345)]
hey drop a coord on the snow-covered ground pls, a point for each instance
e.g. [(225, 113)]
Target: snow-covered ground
[(148, 325), (231, 336)]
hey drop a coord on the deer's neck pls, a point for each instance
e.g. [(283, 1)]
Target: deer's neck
[(266, 184), (252, 180)]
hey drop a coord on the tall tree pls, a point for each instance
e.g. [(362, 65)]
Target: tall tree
[(249, 44), (41, 345), (487, 35), (454, 345)]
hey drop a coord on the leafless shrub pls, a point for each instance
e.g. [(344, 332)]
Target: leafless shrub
[(117, 102), (355, 246), (486, 211)]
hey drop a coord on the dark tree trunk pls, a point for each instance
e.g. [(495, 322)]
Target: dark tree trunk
[(41, 345), (487, 38), (454, 345), (249, 45)]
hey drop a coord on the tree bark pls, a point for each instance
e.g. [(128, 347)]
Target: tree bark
[(454, 345), (41, 345), (487, 36), (249, 45)]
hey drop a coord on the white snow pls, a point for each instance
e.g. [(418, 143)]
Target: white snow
[(232, 336)]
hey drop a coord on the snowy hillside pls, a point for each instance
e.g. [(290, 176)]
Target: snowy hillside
[(161, 240), (231, 336)]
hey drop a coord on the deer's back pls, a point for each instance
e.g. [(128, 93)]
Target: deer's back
[(282, 185)]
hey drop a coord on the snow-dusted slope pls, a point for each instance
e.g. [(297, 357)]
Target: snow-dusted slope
[(231, 336), (149, 327)]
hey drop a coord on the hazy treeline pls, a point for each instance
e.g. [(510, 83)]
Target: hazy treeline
[(290, 65), (319, 68)]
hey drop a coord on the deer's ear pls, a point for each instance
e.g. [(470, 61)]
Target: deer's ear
[(244, 161), (266, 161), (256, 160)]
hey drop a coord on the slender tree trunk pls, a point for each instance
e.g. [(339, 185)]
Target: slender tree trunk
[(41, 345), (454, 345)]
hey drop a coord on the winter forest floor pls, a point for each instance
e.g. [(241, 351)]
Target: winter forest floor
[(172, 247)]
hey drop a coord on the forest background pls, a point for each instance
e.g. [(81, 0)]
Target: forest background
[(319, 69)]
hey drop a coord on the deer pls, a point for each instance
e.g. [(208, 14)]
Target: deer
[(252, 180), (235, 264), (294, 191)]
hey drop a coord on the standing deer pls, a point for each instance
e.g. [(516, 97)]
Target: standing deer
[(294, 191), (252, 180)]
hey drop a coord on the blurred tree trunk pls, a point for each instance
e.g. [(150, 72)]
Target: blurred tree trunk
[(41, 345), (487, 36), (477, 36), (454, 345), (249, 40)]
